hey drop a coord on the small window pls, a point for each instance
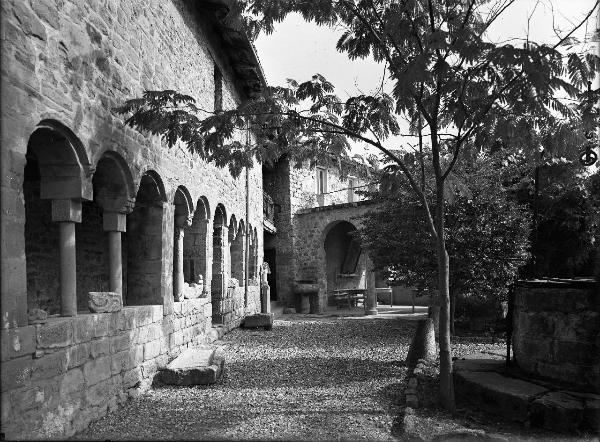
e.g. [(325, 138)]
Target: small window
[(218, 79), (321, 180)]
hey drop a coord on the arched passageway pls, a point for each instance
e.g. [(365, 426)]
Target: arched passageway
[(219, 264), (345, 263), (54, 185), (195, 247), (237, 252), (144, 243)]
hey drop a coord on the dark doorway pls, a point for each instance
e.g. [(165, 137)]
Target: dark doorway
[(270, 258)]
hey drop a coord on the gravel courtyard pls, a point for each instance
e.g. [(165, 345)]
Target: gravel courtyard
[(326, 378)]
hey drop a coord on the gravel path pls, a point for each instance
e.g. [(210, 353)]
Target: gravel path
[(307, 379)]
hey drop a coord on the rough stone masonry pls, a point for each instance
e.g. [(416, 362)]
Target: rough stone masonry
[(89, 205)]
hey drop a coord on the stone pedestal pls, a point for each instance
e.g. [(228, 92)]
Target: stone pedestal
[(371, 298)]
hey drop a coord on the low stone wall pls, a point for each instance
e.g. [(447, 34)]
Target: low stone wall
[(557, 330), (59, 376)]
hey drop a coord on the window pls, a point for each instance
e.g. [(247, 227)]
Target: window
[(351, 186), (218, 80), (321, 180)]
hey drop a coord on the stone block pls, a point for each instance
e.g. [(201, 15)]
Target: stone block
[(143, 315), (497, 394), (99, 347), (122, 361), (120, 342), (132, 378), (50, 365), (26, 399), (97, 370), (17, 342), (157, 313), (264, 320), (37, 316), (16, 372), (78, 355), (104, 302), (102, 325), (83, 328), (195, 366), (101, 393), (71, 382), (56, 333), (126, 318), (557, 411), (151, 349)]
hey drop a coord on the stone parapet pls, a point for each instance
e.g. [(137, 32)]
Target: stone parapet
[(556, 328)]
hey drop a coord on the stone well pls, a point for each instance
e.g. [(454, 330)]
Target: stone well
[(557, 330)]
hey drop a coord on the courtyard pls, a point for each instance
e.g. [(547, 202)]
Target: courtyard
[(342, 383)]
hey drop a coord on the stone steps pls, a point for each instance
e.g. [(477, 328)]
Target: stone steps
[(483, 382)]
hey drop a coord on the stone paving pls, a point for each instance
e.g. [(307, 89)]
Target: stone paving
[(309, 378)]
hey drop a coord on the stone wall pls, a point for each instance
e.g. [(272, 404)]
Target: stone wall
[(557, 330), (298, 254), (66, 65), (59, 376), (72, 62)]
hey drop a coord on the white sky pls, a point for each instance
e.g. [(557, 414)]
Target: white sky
[(298, 50)]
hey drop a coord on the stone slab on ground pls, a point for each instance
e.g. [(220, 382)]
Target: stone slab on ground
[(195, 366), (478, 364), (259, 320), (497, 394), (484, 383)]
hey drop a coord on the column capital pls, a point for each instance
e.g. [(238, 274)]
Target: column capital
[(114, 222), (183, 221), (66, 210)]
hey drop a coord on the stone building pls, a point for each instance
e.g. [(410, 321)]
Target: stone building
[(314, 214), (89, 205)]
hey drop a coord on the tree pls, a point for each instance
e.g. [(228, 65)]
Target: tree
[(487, 236), (451, 85)]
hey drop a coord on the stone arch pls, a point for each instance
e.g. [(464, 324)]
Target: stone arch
[(113, 185), (343, 265), (143, 243), (237, 252), (62, 160), (196, 266), (55, 181)]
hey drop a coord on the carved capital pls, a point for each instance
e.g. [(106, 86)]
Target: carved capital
[(114, 222), (66, 210)]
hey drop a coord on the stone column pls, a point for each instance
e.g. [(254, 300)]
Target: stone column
[(371, 298), (181, 222), (178, 265), (67, 212), (114, 223)]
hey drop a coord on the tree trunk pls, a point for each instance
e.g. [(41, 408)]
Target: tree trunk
[(446, 379), (452, 310)]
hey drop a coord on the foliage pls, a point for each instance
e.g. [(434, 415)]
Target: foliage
[(460, 91), (567, 225), (487, 236)]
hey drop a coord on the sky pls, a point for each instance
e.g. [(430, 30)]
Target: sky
[(297, 49)]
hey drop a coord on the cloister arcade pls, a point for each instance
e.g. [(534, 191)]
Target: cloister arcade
[(99, 227)]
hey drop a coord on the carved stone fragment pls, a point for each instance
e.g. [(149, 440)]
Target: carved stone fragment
[(103, 302), (37, 316)]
